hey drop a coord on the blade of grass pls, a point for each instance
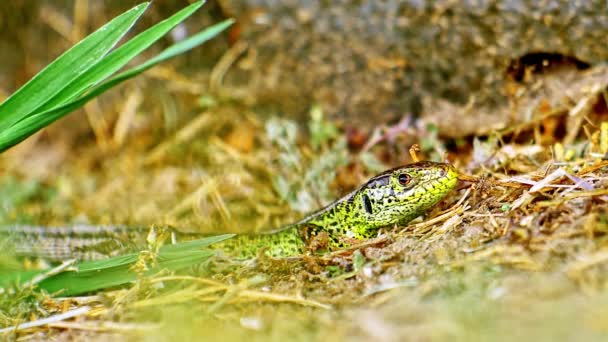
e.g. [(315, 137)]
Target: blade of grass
[(119, 57), (26, 127), (61, 72), (102, 274)]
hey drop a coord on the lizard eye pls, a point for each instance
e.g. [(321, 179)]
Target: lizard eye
[(404, 179)]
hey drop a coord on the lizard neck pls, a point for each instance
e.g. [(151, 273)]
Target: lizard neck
[(342, 221), (285, 242), (331, 227)]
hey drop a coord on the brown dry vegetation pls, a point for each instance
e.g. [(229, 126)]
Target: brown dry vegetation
[(520, 250)]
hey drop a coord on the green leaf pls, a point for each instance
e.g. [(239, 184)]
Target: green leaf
[(101, 274), (120, 57), (65, 69), (170, 52), (28, 126)]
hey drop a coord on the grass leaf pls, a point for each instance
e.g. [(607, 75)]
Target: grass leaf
[(36, 121), (119, 57), (65, 69), (101, 274)]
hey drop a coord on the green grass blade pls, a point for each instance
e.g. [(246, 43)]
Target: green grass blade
[(102, 274), (75, 283), (176, 49), (33, 123), (119, 57), (69, 66)]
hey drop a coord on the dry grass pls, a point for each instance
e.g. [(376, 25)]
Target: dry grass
[(520, 250), (509, 248)]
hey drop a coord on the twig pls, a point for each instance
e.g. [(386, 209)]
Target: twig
[(565, 198), (413, 152), (368, 243), (233, 294), (53, 271), (546, 182), (48, 320), (469, 178), (456, 209), (226, 61), (271, 297), (105, 326), (592, 168)]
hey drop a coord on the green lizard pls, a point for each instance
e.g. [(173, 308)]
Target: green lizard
[(391, 198)]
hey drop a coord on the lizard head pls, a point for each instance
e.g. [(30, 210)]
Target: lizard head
[(399, 195)]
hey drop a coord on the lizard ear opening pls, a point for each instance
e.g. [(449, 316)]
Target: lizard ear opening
[(367, 204)]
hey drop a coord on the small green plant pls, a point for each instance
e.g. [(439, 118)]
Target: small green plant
[(303, 179)]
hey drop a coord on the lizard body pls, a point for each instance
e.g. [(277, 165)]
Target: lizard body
[(391, 198)]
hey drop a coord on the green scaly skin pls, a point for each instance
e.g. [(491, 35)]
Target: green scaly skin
[(384, 201)]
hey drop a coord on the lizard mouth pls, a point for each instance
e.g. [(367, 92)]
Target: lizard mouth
[(446, 179)]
